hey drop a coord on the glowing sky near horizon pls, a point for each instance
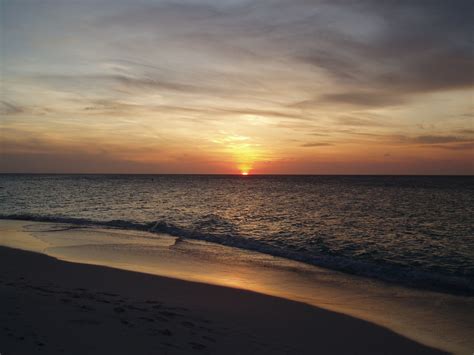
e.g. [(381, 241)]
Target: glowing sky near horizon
[(311, 87)]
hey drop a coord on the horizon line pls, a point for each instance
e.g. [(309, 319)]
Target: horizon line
[(227, 174)]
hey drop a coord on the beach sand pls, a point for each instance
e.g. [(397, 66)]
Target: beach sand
[(57, 307)]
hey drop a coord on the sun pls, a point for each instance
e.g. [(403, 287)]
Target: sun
[(245, 169)]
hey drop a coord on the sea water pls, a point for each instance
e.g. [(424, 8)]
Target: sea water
[(410, 230)]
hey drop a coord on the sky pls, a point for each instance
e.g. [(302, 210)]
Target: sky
[(234, 86)]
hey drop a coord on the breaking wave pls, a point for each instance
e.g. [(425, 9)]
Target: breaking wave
[(383, 271)]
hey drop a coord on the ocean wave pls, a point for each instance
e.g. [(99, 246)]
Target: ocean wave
[(385, 272)]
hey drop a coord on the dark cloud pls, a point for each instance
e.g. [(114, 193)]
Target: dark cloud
[(379, 53), (461, 146), (8, 108), (316, 144), (154, 83), (414, 46), (145, 81), (359, 122), (466, 131), (418, 47), (372, 98), (444, 141), (447, 141), (439, 139)]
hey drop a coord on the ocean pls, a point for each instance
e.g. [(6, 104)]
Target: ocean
[(411, 230)]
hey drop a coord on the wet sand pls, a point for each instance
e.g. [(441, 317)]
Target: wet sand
[(57, 307), (438, 320)]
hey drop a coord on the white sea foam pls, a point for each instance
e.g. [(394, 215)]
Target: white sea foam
[(391, 273)]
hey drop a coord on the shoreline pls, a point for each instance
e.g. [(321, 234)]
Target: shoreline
[(417, 280), (436, 320), (49, 303)]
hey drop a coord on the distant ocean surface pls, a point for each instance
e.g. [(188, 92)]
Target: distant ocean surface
[(416, 231)]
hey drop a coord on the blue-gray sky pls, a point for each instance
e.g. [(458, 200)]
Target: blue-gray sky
[(226, 86)]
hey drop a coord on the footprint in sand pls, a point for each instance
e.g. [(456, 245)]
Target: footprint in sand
[(86, 308), (85, 321), (188, 324), (197, 346), (126, 322), (119, 310), (168, 314), (205, 337), (166, 332), (147, 319), (108, 294)]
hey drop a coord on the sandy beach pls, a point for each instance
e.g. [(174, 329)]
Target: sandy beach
[(53, 307)]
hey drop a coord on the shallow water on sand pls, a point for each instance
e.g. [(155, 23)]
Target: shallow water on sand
[(436, 319)]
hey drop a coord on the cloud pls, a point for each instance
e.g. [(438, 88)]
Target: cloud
[(359, 122), (7, 108), (450, 142), (119, 82), (316, 144), (463, 146), (364, 99), (417, 47), (128, 72), (376, 53), (466, 131), (439, 139), (379, 52)]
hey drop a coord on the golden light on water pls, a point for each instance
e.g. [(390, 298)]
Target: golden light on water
[(245, 173)]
